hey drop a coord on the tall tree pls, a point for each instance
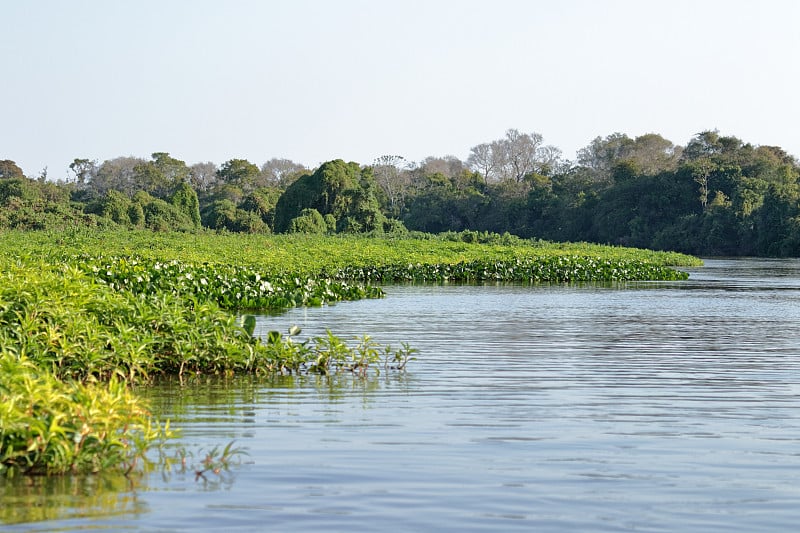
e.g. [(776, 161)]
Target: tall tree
[(392, 176), (649, 154), (9, 169), (84, 169), (281, 172), (702, 168), (343, 190), (240, 172), (118, 174), (602, 154), (203, 176), (262, 203), (652, 153), (515, 157), (161, 175), (482, 159), (520, 153), (711, 143), (443, 203), (448, 165)]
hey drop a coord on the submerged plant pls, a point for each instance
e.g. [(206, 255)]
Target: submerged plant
[(397, 360), (215, 461)]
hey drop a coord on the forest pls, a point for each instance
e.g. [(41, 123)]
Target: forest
[(715, 196)]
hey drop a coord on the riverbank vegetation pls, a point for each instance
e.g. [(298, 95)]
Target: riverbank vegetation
[(86, 314), (53, 426), (715, 195)]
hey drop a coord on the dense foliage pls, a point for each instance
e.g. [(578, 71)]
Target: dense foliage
[(343, 191), (555, 269), (49, 426), (229, 286), (717, 195), (307, 257), (72, 340), (82, 326)]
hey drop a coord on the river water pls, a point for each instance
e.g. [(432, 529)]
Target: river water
[(660, 406)]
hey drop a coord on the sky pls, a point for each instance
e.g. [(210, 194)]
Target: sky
[(315, 80)]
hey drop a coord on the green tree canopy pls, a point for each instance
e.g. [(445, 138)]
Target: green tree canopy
[(344, 190), (262, 203), (84, 170), (241, 173), (185, 199), (9, 169), (224, 215), (161, 175)]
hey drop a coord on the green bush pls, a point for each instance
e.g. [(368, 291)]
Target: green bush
[(21, 188), (309, 221), (136, 215), (344, 190), (162, 216), (117, 207)]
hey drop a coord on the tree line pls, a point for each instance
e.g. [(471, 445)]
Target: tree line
[(717, 195)]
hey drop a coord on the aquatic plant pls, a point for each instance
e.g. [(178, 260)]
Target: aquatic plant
[(230, 286), (552, 269), (217, 461), (306, 255), (68, 323), (48, 426), (71, 346), (331, 354)]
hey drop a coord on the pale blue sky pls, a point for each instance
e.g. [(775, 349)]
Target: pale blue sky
[(314, 80)]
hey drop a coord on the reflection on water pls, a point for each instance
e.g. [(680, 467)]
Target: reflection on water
[(41, 499), (641, 406)]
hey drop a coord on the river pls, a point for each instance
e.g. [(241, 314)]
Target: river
[(656, 406)]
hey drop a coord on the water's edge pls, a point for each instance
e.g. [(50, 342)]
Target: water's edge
[(643, 406)]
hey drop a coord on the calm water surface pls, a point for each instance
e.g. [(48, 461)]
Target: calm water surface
[(643, 406)]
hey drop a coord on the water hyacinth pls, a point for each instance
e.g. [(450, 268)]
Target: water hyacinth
[(245, 287), (230, 286), (554, 269), (66, 321)]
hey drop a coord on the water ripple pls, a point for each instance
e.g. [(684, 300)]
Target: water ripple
[(641, 406)]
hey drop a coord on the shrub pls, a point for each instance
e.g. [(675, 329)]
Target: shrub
[(116, 206), (309, 221), (161, 216)]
